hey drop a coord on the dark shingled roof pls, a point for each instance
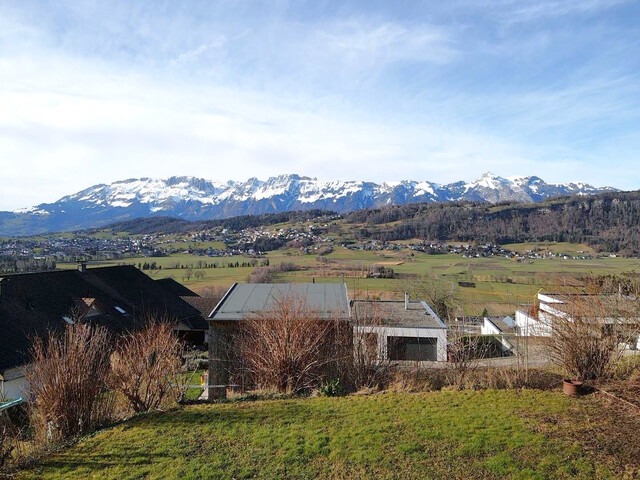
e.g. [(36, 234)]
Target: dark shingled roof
[(205, 305), (35, 303), (175, 287)]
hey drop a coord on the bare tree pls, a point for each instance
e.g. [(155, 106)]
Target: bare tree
[(68, 381), (8, 439), (589, 332), (367, 364), (464, 352), (438, 293), (286, 348), (146, 366)]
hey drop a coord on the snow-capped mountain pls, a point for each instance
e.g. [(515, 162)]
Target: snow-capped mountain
[(196, 198)]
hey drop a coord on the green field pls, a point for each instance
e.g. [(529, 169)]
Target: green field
[(500, 283), (481, 434)]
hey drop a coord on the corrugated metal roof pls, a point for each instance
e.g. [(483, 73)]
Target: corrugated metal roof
[(328, 300)]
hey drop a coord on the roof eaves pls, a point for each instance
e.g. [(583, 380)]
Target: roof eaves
[(222, 300)]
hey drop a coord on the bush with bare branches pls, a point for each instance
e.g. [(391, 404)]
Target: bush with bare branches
[(8, 439), (464, 353), (146, 367), (68, 381), (438, 293), (589, 332), (287, 348), (260, 275), (367, 367)]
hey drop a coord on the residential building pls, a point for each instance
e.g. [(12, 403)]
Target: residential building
[(119, 298)]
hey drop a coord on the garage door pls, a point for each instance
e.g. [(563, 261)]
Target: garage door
[(412, 348)]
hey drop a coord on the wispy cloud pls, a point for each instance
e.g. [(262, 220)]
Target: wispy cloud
[(91, 93), (193, 54), (389, 42), (527, 11)]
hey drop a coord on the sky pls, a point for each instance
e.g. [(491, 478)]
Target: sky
[(94, 92)]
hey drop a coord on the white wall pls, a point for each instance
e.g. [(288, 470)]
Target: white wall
[(530, 326), (440, 334), (14, 384), (489, 328)]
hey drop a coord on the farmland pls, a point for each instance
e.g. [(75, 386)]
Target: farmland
[(500, 283)]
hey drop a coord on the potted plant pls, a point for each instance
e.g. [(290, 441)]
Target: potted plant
[(572, 387)]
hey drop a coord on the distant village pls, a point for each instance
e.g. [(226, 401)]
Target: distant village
[(30, 254)]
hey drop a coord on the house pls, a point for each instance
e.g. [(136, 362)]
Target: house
[(327, 301), (119, 298), (503, 329), (538, 320), (406, 330)]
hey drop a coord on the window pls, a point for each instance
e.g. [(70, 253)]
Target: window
[(120, 310), (412, 348)]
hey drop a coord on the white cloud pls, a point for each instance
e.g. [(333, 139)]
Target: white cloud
[(88, 95), (193, 54), (527, 11), (388, 42)]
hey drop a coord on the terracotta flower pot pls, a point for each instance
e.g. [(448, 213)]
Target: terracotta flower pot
[(572, 387)]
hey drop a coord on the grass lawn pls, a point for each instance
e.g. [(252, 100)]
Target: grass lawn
[(471, 434)]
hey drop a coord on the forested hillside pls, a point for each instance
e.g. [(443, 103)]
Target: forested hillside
[(177, 225), (609, 222)]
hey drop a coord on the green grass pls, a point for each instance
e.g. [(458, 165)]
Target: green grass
[(486, 434), (501, 283)]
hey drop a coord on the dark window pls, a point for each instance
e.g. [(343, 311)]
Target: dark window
[(412, 348)]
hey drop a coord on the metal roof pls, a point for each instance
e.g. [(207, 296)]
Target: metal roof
[(328, 300)]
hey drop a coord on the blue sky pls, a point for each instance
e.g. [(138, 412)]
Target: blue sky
[(93, 92)]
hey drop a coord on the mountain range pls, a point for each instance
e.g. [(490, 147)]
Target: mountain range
[(194, 198)]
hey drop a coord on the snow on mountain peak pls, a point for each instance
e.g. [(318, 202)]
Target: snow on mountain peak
[(198, 198)]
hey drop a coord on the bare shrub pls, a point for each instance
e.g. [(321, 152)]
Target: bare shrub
[(9, 440), (589, 332), (286, 348), (212, 292), (502, 378), (68, 380), (417, 379), (146, 367), (438, 293), (260, 275), (366, 367), (464, 353)]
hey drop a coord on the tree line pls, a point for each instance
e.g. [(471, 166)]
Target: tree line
[(608, 222)]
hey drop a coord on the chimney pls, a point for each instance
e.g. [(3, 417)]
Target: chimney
[(406, 300), (82, 266)]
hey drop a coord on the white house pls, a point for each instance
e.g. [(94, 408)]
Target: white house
[(502, 328), (13, 384), (404, 331), (537, 320)]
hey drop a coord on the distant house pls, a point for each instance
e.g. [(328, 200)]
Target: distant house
[(538, 320), (407, 330), (403, 331), (502, 328), (119, 298)]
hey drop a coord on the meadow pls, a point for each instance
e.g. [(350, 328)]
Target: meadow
[(499, 283)]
